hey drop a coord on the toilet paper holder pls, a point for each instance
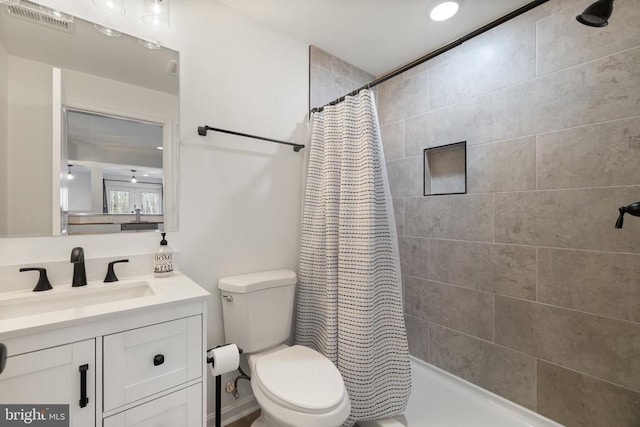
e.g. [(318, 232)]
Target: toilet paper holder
[(210, 360)]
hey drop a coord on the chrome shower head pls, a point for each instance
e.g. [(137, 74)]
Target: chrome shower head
[(597, 15)]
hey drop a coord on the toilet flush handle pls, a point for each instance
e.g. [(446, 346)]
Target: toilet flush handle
[(227, 298)]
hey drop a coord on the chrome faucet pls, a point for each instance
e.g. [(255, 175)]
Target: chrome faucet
[(79, 272)]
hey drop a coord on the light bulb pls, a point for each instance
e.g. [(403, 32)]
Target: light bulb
[(156, 13), (133, 180), (69, 176)]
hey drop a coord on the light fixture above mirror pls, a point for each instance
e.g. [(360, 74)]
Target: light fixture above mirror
[(156, 13), (112, 7)]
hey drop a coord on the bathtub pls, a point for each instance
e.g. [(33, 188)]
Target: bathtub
[(439, 399)]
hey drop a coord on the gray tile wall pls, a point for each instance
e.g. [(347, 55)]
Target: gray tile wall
[(523, 286), (331, 77)]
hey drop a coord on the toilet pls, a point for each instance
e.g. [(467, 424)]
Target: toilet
[(295, 386)]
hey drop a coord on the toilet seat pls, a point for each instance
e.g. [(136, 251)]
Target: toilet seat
[(300, 379)]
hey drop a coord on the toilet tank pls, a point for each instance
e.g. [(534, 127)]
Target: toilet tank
[(257, 308)]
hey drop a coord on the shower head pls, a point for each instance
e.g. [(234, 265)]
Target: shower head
[(597, 15), (632, 209)]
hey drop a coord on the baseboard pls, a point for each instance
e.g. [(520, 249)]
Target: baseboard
[(231, 413)]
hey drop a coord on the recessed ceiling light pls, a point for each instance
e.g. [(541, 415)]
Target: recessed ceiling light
[(149, 44), (444, 11), (109, 32), (160, 148)]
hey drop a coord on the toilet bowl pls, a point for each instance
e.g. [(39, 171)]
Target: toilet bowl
[(297, 386)]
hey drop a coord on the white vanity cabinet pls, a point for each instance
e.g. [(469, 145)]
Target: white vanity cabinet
[(135, 363), (60, 375)]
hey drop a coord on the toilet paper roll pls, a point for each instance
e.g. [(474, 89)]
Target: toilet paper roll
[(225, 359)]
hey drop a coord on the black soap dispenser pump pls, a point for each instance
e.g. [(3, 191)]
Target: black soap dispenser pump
[(163, 259)]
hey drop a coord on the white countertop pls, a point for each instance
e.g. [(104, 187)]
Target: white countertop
[(135, 293)]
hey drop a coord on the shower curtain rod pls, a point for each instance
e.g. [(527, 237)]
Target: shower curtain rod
[(202, 131), (436, 52)]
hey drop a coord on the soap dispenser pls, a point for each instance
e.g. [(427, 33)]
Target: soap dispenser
[(163, 259)]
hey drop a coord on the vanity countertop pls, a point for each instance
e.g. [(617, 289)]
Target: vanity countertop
[(26, 312)]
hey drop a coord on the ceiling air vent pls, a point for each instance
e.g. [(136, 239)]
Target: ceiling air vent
[(31, 12), (172, 69)]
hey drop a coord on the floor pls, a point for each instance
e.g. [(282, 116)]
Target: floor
[(246, 421)]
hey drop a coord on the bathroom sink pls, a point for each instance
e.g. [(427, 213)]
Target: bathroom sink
[(27, 303)]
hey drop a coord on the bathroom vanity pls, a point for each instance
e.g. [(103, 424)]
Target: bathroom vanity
[(128, 353)]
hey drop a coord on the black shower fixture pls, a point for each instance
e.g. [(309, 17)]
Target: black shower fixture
[(597, 15), (632, 209)]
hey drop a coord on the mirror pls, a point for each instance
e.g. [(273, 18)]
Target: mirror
[(81, 114)]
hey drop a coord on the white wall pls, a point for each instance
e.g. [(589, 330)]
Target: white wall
[(4, 95), (86, 91), (239, 199), (29, 148)]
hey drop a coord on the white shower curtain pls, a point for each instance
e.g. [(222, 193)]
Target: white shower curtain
[(349, 293)]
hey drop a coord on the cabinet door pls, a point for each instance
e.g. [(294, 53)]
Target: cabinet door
[(54, 376), (182, 408)]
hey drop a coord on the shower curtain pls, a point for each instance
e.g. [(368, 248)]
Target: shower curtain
[(349, 292)]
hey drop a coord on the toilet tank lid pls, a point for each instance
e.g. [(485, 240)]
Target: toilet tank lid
[(244, 283)]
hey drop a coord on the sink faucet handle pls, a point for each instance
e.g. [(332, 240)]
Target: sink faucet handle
[(43, 281), (111, 274)]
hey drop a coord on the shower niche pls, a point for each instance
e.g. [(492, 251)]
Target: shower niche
[(445, 169)]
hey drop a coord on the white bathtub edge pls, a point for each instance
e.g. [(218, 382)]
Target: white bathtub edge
[(507, 404)]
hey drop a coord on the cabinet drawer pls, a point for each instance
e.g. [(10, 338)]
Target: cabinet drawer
[(182, 408), (145, 361)]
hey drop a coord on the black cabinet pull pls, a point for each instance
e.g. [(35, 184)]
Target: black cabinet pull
[(158, 360), (84, 400), (3, 357)]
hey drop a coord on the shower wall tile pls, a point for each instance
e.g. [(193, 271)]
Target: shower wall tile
[(459, 217), (414, 256), (498, 369), (319, 57), (577, 400), (462, 309), (470, 121), (605, 154), (589, 93), (326, 86), (502, 166), (417, 337), (605, 348), (405, 177), (501, 269), (596, 282), (405, 99), (500, 58), (393, 141), (563, 44), (398, 213), (578, 219), (331, 77)]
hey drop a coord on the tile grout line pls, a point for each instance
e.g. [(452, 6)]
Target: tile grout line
[(542, 303)]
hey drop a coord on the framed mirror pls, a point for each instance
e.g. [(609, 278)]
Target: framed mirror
[(84, 109)]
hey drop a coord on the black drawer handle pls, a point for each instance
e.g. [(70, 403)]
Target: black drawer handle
[(84, 400), (158, 360)]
